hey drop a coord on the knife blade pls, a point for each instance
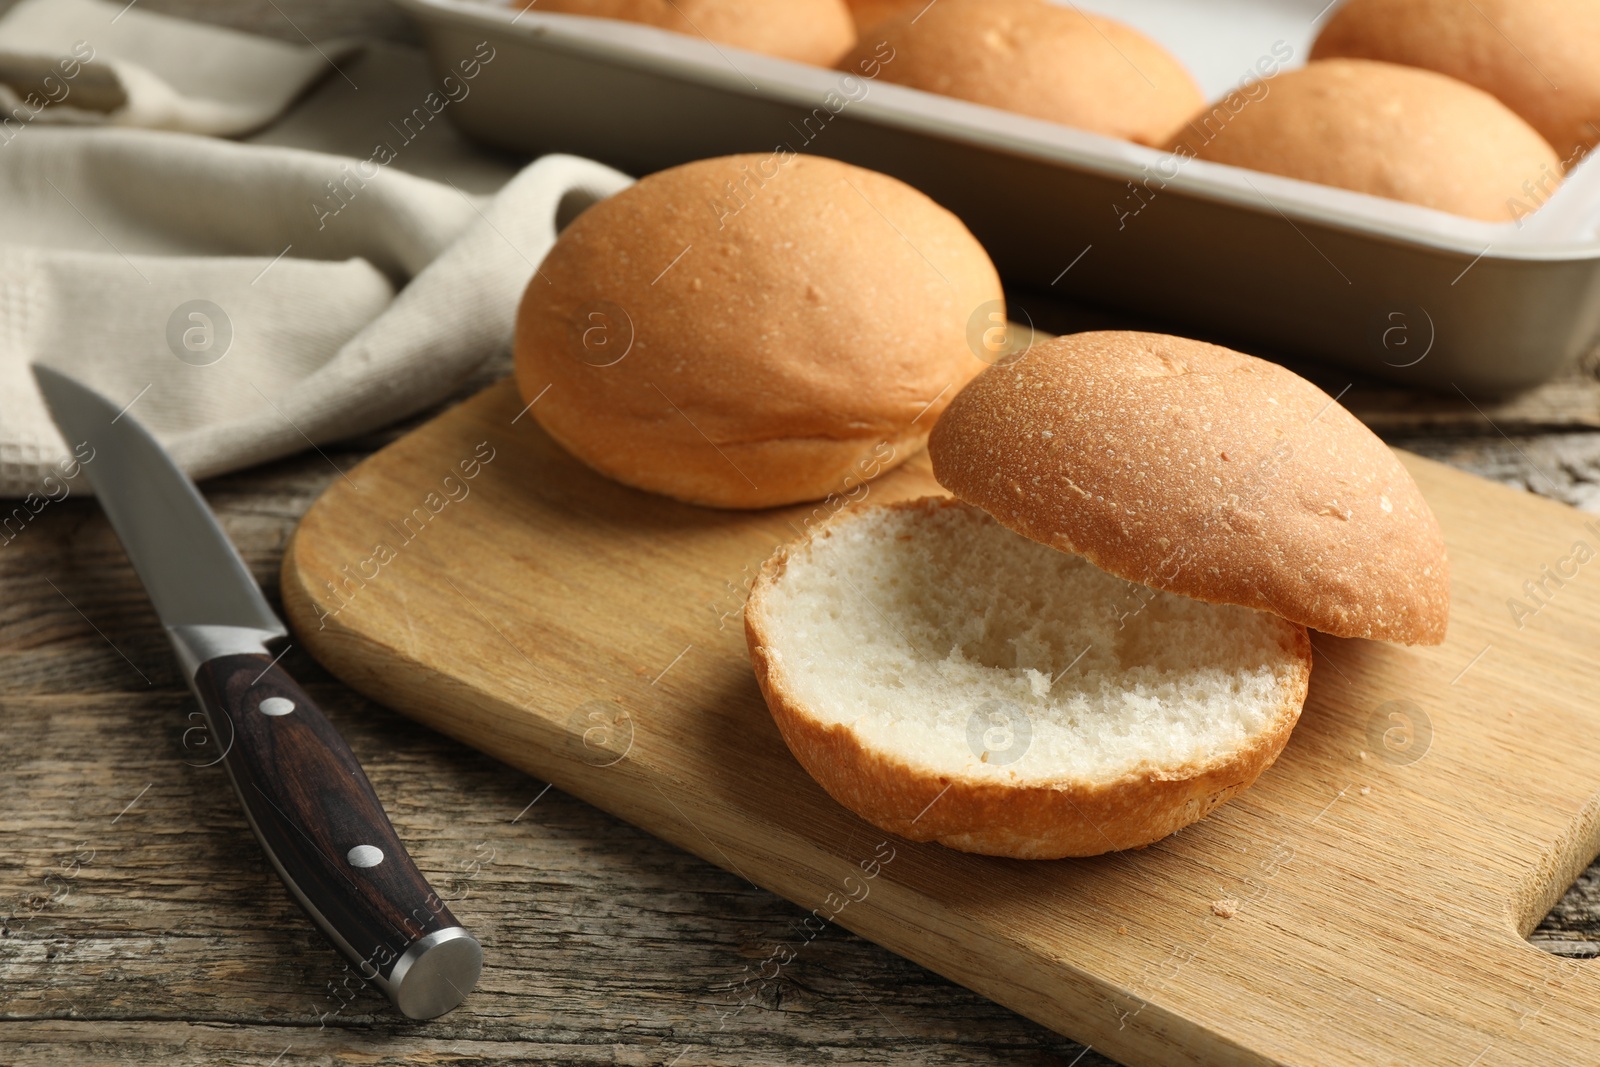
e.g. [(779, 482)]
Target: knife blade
[(310, 804)]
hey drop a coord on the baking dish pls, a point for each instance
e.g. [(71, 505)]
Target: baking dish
[(1269, 264)]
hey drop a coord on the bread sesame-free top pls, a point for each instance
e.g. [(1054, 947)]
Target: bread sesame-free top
[(1195, 469)]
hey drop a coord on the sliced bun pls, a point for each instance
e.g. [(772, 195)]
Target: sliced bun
[(1202, 471), (1390, 131), (808, 31), (753, 330), (950, 681), (1541, 58), (1041, 59)]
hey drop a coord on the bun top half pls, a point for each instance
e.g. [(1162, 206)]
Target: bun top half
[(1198, 470)]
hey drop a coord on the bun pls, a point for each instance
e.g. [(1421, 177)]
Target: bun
[(808, 31), (869, 14), (1391, 131), (1198, 470), (753, 330), (950, 681), (1040, 59), (1541, 58)]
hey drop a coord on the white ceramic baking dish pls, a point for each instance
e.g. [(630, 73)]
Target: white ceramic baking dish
[(1270, 264)]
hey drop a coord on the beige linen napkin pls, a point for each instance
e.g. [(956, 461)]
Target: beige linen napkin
[(137, 69), (248, 300)]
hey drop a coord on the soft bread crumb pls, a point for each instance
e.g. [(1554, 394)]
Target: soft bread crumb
[(1226, 908), (934, 633)]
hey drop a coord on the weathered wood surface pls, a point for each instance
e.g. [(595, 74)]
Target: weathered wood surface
[(175, 943)]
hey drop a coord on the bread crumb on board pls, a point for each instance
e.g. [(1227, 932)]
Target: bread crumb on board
[(1226, 908)]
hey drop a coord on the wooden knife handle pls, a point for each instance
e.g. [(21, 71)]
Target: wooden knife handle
[(322, 827)]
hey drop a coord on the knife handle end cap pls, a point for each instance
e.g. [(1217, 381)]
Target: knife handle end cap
[(436, 973)]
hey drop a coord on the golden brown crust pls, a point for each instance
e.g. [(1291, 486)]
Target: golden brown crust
[(1041, 59), (796, 326), (1202, 471), (1391, 131), (1541, 58), (1069, 817), (808, 31)]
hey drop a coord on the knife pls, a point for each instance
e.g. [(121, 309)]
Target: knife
[(306, 797)]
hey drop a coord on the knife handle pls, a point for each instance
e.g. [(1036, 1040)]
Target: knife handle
[(322, 827)]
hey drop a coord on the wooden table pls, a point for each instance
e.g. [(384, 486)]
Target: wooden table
[(142, 925)]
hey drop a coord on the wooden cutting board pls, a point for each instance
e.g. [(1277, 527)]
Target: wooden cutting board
[(1364, 904)]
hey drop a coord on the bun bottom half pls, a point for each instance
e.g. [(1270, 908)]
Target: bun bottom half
[(948, 680)]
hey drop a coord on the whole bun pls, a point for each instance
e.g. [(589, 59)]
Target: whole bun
[(1391, 131), (1541, 58), (1198, 470), (1040, 59), (753, 330), (808, 31)]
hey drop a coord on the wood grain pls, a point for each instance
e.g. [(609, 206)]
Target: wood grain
[(177, 946), (176, 943), (1381, 878)]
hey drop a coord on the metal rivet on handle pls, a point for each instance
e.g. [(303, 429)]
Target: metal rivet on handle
[(275, 706), (364, 856)]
